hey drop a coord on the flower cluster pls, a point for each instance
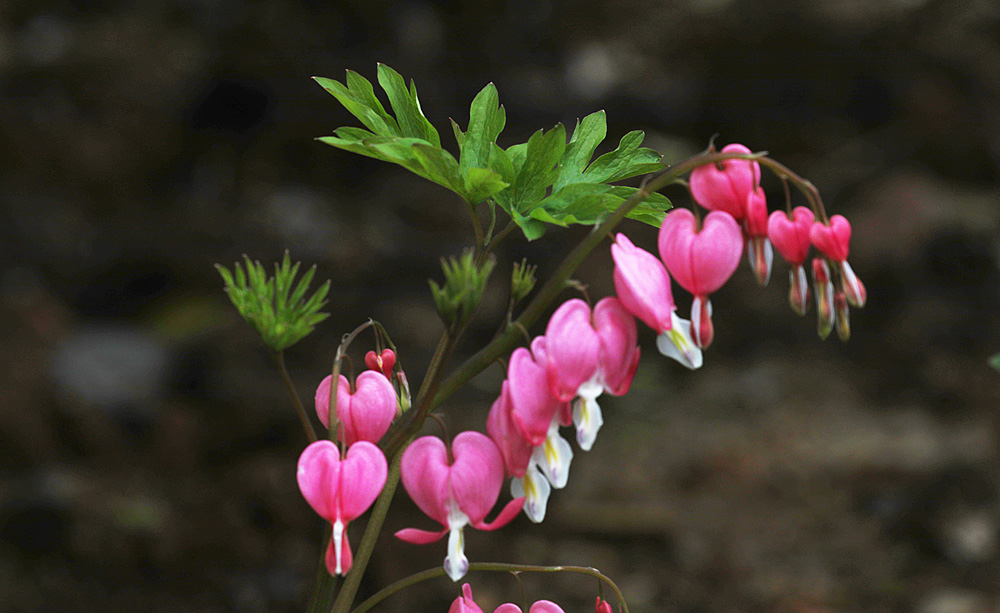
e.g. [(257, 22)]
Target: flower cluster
[(556, 380), (702, 254)]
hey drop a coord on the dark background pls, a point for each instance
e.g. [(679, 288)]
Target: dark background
[(147, 450)]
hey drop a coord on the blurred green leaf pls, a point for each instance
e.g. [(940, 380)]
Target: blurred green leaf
[(279, 317), (995, 361)]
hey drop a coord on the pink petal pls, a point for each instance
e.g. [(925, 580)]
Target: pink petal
[(791, 236), (832, 240), (530, 395), (619, 356), (362, 476), (346, 556), (508, 607), (464, 603), (318, 476), (756, 217), (514, 449), (545, 606), (642, 284), (424, 471), (476, 474), (323, 401), (701, 261), (420, 537), (504, 517), (573, 348), (368, 413)]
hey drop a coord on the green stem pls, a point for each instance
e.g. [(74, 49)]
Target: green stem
[(345, 598), (494, 567), (477, 226), (326, 584), (279, 360)]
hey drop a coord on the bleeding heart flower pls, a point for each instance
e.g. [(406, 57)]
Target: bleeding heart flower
[(643, 287), (573, 349), (364, 415), (834, 242), (340, 490), (701, 260), (602, 606), (726, 185), (455, 490), (532, 402), (790, 236)]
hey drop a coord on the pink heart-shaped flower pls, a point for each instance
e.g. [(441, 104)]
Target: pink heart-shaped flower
[(382, 362), (700, 260), (364, 415), (572, 347), (832, 240), (341, 490), (727, 185), (790, 236)]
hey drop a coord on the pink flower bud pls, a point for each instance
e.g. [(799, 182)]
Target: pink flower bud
[(382, 362), (726, 185), (832, 240), (602, 606), (823, 288), (759, 252)]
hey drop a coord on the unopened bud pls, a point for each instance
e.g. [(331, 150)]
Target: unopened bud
[(843, 316), (522, 281), (823, 289), (798, 290), (854, 290)]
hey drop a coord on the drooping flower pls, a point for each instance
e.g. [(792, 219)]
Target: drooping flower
[(340, 490), (726, 185), (834, 242), (617, 363), (365, 414), (759, 253), (533, 406), (790, 236), (455, 490), (602, 606), (573, 349), (643, 287), (701, 260)]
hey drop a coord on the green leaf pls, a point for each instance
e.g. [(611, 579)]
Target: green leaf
[(486, 120), (538, 169), (587, 135), (995, 361), (628, 160), (359, 99), (406, 106)]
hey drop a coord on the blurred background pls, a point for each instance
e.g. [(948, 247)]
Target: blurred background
[(147, 448)]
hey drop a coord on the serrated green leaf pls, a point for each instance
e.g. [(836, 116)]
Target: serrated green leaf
[(627, 160), (486, 120), (587, 135), (362, 103), (538, 170), (406, 106), (439, 166)]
